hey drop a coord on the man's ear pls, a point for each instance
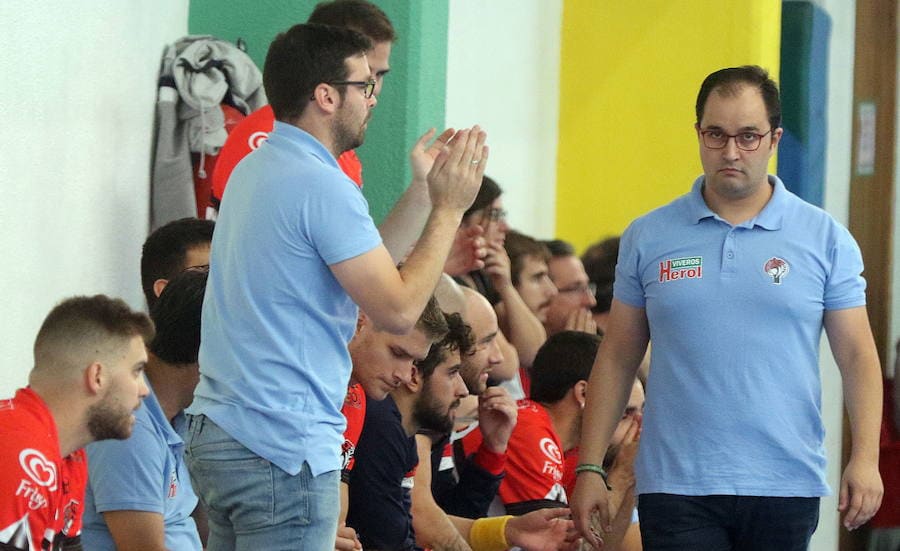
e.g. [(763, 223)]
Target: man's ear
[(326, 97), (776, 137), (580, 392), (94, 378), (159, 285), (415, 381)]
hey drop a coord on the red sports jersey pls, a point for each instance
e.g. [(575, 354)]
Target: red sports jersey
[(354, 410), (31, 489), (534, 459), (248, 135)]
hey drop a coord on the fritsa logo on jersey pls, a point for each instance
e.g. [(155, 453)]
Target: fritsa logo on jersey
[(256, 139), (688, 267), (554, 466), (42, 473), (40, 469)]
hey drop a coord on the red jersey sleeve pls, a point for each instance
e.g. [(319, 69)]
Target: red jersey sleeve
[(354, 410)]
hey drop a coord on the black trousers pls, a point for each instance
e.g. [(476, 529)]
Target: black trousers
[(727, 523)]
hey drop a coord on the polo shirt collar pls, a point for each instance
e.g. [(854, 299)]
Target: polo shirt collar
[(304, 139), (769, 218), (154, 410)]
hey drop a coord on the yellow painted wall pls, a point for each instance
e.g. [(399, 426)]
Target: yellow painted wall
[(630, 72)]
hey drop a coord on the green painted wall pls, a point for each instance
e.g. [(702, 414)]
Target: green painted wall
[(411, 101)]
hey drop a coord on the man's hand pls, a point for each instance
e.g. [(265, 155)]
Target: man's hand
[(861, 492), (542, 530), (347, 539), (581, 320), (496, 265), (590, 500), (621, 473), (497, 415), (455, 177), (423, 154), (467, 252)]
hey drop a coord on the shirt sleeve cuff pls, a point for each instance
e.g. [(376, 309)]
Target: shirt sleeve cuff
[(492, 462)]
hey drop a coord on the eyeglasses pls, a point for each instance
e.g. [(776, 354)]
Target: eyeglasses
[(368, 86), (494, 215), (745, 141), (588, 288)]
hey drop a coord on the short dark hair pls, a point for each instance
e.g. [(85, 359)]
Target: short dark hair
[(600, 264), (165, 250), (729, 81), (177, 318), (518, 246), (86, 325), (487, 193), (363, 17), (563, 360), (558, 247), (432, 322), (303, 57), (458, 337)]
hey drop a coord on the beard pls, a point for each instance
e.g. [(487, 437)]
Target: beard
[(109, 420), (347, 134), (428, 415)]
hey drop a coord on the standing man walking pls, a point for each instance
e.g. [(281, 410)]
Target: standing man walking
[(296, 253), (735, 282)]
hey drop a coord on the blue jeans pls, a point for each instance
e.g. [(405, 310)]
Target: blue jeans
[(727, 523), (254, 505)]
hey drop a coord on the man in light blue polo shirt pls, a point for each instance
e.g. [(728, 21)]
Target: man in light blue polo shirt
[(735, 282), (139, 493), (295, 252)]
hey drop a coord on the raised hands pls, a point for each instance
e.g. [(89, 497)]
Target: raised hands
[(455, 177)]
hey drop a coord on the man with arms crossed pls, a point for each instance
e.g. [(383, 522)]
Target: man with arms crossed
[(294, 249), (735, 281)]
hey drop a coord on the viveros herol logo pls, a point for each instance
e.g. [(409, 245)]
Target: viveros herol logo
[(688, 267)]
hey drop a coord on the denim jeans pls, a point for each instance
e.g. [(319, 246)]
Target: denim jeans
[(253, 504), (727, 523)]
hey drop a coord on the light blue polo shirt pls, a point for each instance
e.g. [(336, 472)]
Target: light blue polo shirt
[(274, 365), (735, 315), (146, 473)]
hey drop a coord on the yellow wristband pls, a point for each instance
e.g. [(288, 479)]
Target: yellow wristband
[(489, 534)]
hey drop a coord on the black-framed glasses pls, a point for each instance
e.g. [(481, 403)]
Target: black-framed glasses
[(745, 141), (368, 86)]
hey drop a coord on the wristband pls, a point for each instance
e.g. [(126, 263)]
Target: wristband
[(592, 468), (489, 534)]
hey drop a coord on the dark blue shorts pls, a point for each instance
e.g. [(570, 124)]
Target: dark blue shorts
[(727, 523)]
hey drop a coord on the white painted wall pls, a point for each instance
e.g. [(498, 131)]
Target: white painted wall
[(503, 73), (77, 122)]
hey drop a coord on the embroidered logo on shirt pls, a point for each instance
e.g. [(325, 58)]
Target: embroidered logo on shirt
[(777, 269), (688, 267), (39, 468), (173, 484)]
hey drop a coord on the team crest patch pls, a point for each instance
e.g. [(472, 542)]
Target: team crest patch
[(777, 269), (688, 267)]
